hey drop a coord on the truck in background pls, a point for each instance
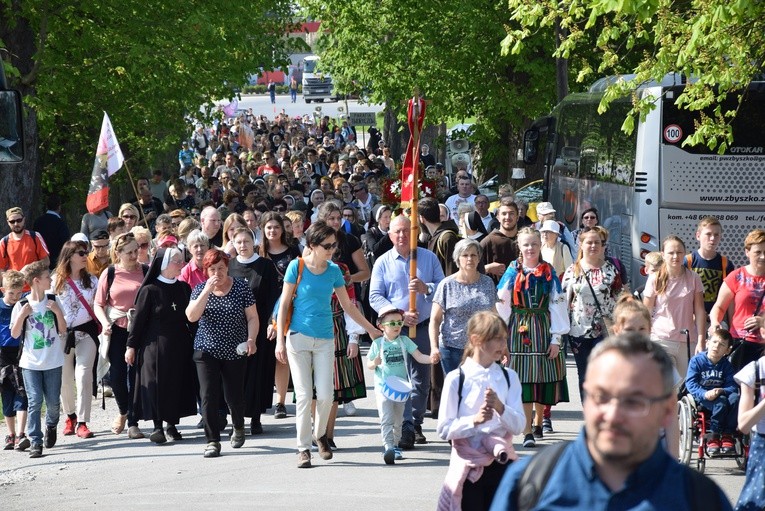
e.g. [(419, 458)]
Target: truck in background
[(317, 86)]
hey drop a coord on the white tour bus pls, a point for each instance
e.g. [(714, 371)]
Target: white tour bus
[(647, 186)]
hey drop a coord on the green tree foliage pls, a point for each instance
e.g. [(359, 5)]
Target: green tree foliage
[(716, 45), (450, 52), (150, 65)]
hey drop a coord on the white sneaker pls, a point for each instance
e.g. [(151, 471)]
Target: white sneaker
[(349, 408)]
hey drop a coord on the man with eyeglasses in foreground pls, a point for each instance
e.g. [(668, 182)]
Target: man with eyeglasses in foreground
[(21, 247), (617, 461)]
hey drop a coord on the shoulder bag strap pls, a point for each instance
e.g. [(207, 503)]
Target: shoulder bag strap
[(594, 295), (759, 303), (82, 299)]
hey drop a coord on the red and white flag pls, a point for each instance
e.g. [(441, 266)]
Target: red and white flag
[(415, 117), (109, 159)]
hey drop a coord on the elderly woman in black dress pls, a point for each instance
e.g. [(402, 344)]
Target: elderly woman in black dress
[(228, 328), (260, 273), (160, 347)]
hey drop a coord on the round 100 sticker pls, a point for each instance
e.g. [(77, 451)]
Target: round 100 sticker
[(673, 133)]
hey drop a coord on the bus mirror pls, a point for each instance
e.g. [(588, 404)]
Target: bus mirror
[(11, 127), (530, 146)]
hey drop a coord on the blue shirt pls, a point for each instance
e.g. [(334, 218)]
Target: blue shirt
[(312, 312), (659, 483), (390, 281), (703, 375), (5, 326)]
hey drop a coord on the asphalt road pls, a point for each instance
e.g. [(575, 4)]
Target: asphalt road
[(110, 472)]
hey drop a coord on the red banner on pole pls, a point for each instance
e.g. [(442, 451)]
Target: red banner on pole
[(415, 117)]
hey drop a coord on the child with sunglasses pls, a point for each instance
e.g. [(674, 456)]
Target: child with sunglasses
[(386, 356)]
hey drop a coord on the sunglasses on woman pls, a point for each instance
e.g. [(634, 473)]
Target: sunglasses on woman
[(328, 246)]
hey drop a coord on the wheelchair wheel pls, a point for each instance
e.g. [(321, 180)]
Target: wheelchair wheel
[(685, 418), (701, 464)]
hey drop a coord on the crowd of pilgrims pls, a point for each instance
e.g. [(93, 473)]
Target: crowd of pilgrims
[(199, 262)]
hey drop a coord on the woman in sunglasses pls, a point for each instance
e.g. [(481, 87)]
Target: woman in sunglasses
[(129, 214), (308, 341), (115, 296), (143, 239), (76, 289)]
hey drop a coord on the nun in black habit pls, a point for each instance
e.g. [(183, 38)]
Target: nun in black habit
[(263, 279), (161, 347)]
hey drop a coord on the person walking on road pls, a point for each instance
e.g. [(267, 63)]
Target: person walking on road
[(308, 339)]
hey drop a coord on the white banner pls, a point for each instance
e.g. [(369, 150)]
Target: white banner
[(108, 152)]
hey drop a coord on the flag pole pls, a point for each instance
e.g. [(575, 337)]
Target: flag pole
[(414, 233), (137, 197)]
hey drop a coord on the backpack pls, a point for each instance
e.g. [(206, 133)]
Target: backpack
[(461, 382), (110, 278), (4, 242), (534, 478), (689, 262)]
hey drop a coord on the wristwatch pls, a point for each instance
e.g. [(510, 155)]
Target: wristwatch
[(430, 290)]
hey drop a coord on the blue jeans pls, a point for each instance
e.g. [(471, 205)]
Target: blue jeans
[(581, 348), (42, 385), (419, 375), (450, 358), (724, 416), (293, 94), (13, 402)]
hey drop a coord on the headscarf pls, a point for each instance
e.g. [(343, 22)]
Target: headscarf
[(475, 223), (158, 264)]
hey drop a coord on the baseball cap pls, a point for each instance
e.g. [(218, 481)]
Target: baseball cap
[(387, 310)]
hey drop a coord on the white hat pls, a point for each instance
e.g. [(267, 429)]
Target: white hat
[(550, 226), (80, 237), (545, 208)]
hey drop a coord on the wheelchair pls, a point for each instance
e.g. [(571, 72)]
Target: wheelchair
[(694, 423)]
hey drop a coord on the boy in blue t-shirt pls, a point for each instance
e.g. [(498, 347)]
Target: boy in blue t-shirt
[(11, 382), (710, 382), (386, 356)]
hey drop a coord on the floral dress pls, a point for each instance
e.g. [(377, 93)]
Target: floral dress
[(607, 284), (535, 310)]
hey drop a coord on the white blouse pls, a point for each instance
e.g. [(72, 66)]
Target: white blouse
[(456, 423)]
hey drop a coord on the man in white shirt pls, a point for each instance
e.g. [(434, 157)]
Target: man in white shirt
[(464, 195)]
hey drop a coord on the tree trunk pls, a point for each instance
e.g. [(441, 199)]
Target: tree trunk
[(20, 183), (561, 65)]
